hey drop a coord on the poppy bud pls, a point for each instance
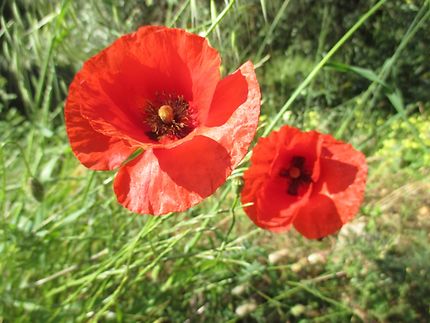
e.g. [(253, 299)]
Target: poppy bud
[(237, 185)]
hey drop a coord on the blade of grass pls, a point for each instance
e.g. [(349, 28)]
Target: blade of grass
[(375, 88), (271, 30), (179, 13), (321, 64), (219, 18)]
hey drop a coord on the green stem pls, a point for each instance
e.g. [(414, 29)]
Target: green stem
[(29, 173), (233, 221), (197, 237), (179, 13), (3, 183), (375, 88), (269, 34), (321, 64), (219, 18), (87, 188), (27, 165)]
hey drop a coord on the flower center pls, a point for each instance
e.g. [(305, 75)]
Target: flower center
[(294, 172), (165, 112), (296, 175), (168, 116)]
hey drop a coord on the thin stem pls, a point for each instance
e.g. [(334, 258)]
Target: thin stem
[(27, 165), (179, 13), (321, 64), (272, 28), (219, 18), (87, 188), (3, 183), (374, 88), (197, 237), (233, 221)]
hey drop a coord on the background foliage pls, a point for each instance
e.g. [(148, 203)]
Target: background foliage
[(69, 252)]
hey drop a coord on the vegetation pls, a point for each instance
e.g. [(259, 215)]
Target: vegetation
[(357, 69)]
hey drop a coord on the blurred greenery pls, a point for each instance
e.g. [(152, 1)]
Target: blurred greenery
[(69, 252)]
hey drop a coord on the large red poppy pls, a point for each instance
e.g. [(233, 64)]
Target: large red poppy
[(306, 179), (159, 89)]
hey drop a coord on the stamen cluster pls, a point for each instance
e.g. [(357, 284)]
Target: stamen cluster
[(168, 116), (296, 175)]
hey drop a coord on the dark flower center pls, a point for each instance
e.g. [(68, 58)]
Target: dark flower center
[(168, 116), (296, 175), (165, 112)]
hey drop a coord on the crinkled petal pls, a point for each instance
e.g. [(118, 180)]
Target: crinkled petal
[(297, 143), (119, 81), (94, 150), (234, 113), (178, 54), (343, 176), (273, 208), (276, 210), (160, 181), (318, 218), (255, 177)]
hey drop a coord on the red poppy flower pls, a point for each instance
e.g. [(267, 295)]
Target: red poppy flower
[(306, 179), (160, 89)]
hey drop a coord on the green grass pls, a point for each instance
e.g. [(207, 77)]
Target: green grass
[(69, 252)]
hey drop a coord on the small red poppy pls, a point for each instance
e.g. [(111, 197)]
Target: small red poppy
[(306, 179), (160, 89)]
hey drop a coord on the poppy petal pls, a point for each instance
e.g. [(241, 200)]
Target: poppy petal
[(160, 181), (295, 143), (318, 218), (159, 89), (93, 149), (273, 207), (343, 176), (189, 64), (276, 209), (234, 112), (145, 64), (256, 176)]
